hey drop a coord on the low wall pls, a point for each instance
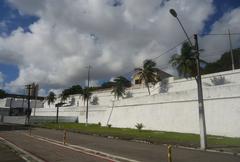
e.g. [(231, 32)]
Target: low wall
[(4, 111), (63, 119), (37, 119), (14, 119)]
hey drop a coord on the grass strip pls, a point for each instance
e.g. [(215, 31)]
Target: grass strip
[(156, 137)]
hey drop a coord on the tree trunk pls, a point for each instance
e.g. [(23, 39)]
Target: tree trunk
[(147, 85), (57, 115)]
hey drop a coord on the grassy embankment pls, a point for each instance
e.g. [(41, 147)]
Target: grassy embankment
[(156, 137)]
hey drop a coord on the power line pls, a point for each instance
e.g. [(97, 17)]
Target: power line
[(211, 55), (162, 54), (163, 66), (167, 51), (219, 34)]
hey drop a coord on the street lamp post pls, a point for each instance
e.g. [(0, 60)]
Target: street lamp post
[(202, 125), (89, 67), (28, 111), (58, 105)]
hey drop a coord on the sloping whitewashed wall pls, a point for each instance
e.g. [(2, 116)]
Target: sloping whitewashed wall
[(175, 110)]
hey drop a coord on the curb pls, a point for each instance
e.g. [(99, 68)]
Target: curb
[(99, 154), (208, 150), (27, 156), (147, 142)]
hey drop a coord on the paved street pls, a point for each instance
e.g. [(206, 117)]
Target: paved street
[(52, 151), (8, 155)]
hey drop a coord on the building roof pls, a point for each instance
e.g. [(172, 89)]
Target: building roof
[(161, 74)]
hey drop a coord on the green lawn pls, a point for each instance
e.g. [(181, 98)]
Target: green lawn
[(156, 137)]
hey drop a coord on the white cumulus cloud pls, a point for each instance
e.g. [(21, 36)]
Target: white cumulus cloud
[(112, 36)]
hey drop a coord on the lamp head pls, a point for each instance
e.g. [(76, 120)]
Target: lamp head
[(173, 12)]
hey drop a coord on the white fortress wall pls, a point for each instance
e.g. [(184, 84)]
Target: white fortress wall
[(176, 110)]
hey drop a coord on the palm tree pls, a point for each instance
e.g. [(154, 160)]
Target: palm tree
[(51, 98), (186, 62), (2, 93), (119, 87), (64, 95), (86, 94), (148, 73)]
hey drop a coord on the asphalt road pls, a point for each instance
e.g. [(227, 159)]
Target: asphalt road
[(8, 155), (138, 151), (132, 150)]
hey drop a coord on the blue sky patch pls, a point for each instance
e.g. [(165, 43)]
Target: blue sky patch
[(10, 19), (221, 7), (9, 71)]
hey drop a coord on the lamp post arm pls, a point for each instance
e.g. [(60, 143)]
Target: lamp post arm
[(188, 38)]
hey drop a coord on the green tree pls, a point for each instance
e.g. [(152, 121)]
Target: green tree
[(2, 94), (75, 89), (64, 95), (51, 98), (148, 73), (108, 84), (119, 87), (224, 63), (186, 62)]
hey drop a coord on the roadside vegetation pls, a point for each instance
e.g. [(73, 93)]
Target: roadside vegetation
[(156, 137)]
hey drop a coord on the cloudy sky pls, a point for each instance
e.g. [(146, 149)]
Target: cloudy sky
[(51, 42)]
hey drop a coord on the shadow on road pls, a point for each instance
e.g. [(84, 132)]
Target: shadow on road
[(11, 127), (230, 148), (223, 146)]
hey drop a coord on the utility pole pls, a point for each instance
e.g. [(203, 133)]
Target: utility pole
[(231, 50), (28, 112), (203, 140), (89, 67), (202, 124), (35, 87)]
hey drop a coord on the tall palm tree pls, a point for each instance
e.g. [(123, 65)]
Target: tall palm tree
[(148, 73), (86, 94), (186, 62), (119, 87), (51, 98)]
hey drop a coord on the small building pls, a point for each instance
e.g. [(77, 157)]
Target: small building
[(136, 80), (15, 104)]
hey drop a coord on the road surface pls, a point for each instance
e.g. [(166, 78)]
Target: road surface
[(47, 145)]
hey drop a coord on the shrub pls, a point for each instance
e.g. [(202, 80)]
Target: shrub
[(164, 86), (109, 125), (139, 126), (129, 94), (219, 80), (99, 124), (95, 100)]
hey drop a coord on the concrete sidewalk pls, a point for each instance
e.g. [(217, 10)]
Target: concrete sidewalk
[(134, 150)]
